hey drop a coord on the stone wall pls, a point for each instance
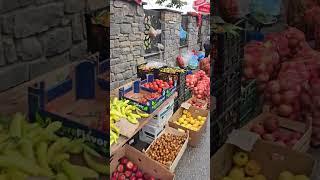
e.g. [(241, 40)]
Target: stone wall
[(192, 33), (170, 35), (205, 29), (126, 41), (40, 35)]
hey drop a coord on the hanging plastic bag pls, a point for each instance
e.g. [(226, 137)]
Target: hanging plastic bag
[(201, 55), (182, 33), (152, 32), (193, 62)]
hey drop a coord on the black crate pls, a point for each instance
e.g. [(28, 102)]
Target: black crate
[(179, 77), (230, 80), (143, 73), (229, 50), (187, 94)]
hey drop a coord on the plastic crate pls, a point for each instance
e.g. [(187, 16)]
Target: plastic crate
[(229, 50), (179, 77), (143, 73), (187, 94)]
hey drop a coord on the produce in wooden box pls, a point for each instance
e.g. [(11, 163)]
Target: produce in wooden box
[(166, 148), (121, 109), (28, 150), (158, 85), (244, 168), (187, 121), (127, 170), (269, 130)]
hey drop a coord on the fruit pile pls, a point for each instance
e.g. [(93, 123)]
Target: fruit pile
[(199, 83), (287, 175), (198, 103), (166, 148), (244, 168), (144, 98), (269, 130), (187, 121), (29, 150), (121, 109), (158, 85), (172, 70), (127, 170)]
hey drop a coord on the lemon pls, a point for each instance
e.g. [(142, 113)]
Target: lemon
[(184, 116), (184, 111), (192, 121), (199, 117)]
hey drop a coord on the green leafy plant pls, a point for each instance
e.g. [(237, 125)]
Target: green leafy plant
[(172, 3)]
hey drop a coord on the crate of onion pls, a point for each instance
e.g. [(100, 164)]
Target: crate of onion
[(281, 131), (168, 148)]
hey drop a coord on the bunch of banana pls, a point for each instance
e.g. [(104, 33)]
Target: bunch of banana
[(29, 150), (122, 109), (114, 133)]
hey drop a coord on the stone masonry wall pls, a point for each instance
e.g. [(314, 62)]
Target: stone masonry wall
[(205, 29), (37, 36), (193, 33), (126, 41), (170, 35)]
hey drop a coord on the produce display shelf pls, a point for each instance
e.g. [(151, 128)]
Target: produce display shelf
[(123, 140)]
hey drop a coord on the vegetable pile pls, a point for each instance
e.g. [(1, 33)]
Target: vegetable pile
[(29, 150), (291, 88), (199, 83), (121, 109), (158, 85)]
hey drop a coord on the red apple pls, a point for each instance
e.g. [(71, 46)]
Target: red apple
[(268, 137), (152, 178), (258, 128), (122, 177), (135, 168), (139, 174), (128, 173), (276, 135), (129, 165), (140, 179), (113, 178), (115, 174), (292, 142), (133, 178), (120, 168), (124, 160), (271, 125)]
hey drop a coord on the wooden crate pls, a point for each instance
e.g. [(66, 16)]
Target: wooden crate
[(78, 102)]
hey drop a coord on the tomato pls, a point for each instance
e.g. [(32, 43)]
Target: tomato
[(170, 82)]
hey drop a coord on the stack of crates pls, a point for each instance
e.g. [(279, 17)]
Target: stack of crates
[(226, 76)]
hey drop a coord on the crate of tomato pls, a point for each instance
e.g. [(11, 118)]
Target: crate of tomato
[(158, 86), (145, 99)]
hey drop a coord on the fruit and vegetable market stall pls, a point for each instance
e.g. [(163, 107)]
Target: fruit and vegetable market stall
[(163, 116)]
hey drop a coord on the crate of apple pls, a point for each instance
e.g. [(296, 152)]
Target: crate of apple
[(127, 170), (199, 83), (145, 98), (158, 85)]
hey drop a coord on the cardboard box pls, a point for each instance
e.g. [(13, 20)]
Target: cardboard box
[(273, 160), (174, 164), (144, 163), (287, 125), (195, 136)]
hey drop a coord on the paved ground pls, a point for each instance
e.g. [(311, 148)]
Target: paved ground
[(195, 162)]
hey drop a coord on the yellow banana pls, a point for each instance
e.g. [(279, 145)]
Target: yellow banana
[(143, 115)]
